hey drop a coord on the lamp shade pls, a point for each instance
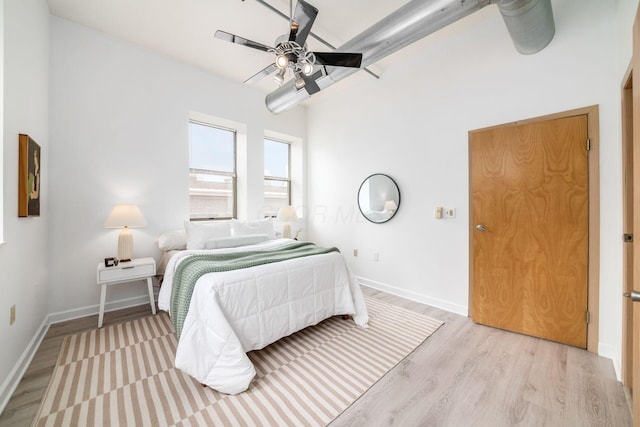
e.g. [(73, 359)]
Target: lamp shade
[(125, 216), (390, 206), (286, 214)]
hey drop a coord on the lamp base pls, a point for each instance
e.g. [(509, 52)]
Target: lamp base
[(125, 245), (286, 230)]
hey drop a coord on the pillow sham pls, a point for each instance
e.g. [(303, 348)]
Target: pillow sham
[(199, 232), (235, 241), (173, 240), (261, 226)]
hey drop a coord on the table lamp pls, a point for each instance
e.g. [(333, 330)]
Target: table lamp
[(286, 215), (390, 206), (125, 217)]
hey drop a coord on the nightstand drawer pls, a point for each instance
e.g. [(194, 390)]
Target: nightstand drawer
[(126, 272)]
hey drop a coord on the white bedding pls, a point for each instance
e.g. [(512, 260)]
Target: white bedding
[(237, 311)]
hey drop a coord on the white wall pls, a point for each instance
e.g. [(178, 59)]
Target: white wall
[(412, 124), (24, 256), (119, 133), (626, 13)]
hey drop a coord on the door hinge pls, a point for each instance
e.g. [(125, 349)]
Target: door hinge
[(588, 317), (588, 144), (628, 238)]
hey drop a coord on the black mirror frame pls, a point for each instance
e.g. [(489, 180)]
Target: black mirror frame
[(399, 198)]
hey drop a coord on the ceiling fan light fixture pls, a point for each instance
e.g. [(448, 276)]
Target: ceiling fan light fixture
[(282, 61), (307, 68), (291, 51)]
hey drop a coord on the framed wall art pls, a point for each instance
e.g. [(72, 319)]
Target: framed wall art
[(29, 177)]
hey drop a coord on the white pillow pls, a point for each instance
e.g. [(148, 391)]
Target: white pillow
[(199, 232), (235, 241), (243, 228), (173, 240)]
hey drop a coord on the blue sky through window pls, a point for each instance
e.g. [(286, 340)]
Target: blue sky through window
[(211, 148)]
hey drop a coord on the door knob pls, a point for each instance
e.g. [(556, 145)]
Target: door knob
[(482, 228), (634, 295)]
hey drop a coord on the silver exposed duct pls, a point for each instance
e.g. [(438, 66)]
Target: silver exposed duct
[(530, 24)]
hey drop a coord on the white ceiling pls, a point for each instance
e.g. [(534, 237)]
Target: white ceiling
[(184, 29)]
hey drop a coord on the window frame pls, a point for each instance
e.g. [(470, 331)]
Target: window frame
[(233, 175), (280, 179)]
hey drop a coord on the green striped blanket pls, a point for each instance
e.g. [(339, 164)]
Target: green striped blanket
[(191, 268)]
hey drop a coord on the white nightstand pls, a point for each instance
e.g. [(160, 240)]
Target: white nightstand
[(136, 269)]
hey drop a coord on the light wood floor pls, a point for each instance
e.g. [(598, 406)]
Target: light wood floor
[(463, 375)]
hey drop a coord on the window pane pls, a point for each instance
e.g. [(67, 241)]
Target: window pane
[(276, 195), (276, 159), (211, 195), (212, 172), (211, 148)]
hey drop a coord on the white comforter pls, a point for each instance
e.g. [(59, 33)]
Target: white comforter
[(237, 311)]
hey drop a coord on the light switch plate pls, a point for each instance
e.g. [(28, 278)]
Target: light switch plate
[(437, 213)]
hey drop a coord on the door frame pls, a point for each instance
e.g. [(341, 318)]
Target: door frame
[(627, 224), (593, 273)]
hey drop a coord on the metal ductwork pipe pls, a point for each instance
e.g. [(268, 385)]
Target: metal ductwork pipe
[(417, 19), (530, 23)]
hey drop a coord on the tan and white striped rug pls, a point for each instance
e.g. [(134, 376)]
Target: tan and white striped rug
[(124, 375)]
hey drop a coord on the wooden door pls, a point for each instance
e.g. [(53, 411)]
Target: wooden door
[(627, 229), (636, 219), (530, 197)]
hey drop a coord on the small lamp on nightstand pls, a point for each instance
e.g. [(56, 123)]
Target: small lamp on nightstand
[(286, 216), (125, 216)]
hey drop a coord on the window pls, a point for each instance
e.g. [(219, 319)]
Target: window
[(212, 172), (277, 178)]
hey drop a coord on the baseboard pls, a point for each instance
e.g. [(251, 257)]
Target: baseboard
[(13, 380), (414, 296), (605, 350), (76, 313)]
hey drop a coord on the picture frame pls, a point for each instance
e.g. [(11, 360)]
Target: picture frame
[(29, 173), (109, 262)]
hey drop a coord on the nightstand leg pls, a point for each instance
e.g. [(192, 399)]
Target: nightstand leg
[(103, 296), (151, 298)]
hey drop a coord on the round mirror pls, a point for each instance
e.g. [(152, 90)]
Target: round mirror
[(378, 198)]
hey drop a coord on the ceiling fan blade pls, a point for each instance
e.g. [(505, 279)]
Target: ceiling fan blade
[(261, 74), (310, 84), (223, 35), (303, 19), (339, 59)]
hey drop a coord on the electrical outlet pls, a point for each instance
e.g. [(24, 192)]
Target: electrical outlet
[(12, 315), (355, 252), (451, 213)]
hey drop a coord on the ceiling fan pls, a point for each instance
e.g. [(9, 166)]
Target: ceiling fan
[(291, 52)]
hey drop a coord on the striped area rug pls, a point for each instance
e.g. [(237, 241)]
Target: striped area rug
[(124, 375)]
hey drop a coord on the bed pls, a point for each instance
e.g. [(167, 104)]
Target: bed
[(232, 312)]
